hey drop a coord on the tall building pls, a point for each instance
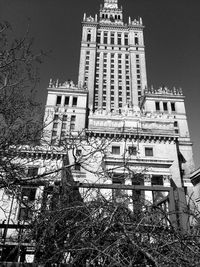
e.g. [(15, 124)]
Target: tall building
[(111, 126), (112, 59), (113, 99)]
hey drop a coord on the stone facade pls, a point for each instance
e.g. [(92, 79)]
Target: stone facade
[(112, 59), (111, 123), (150, 122)]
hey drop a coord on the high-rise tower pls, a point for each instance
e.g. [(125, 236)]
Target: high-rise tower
[(112, 58)]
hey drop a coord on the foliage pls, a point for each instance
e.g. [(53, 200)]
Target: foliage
[(20, 119), (106, 232)]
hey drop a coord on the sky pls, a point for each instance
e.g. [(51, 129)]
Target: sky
[(172, 41)]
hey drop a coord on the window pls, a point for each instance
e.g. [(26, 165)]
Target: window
[(176, 124), (28, 193), (77, 166), (112, 40), (55, 117), (58, 100), (63, 133), (173, 108), (119, 41), (136, 41), (126, 39), (64, 117), (27, 198), (55, 125), (54, 133), (89, 37), (165, 106), (105, 39), (157, 180), (66, 100), (116, 150), (148, 151), (72, 123), (32, 171), (74, 102), (132, 150), (157, 106), (64, 126), (98, 37)]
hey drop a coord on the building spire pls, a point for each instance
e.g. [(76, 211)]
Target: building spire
[(112, 4)]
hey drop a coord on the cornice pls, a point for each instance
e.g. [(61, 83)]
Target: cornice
[(150, 137), (90, 23), (164, 163)]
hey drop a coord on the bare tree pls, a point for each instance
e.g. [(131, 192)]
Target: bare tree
[(20, 120), (88, 228), (110, 232)]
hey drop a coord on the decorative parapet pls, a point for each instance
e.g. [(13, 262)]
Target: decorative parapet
[(90, 18), (69, 84), (132, 120), (163, 91), (112, 22), (135, 22)]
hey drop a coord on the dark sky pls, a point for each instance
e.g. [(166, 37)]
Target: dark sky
[(172, 39)]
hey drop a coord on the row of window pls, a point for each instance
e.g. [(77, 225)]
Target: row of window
[(119, 178), (66, 100), (112, 79), (64, 125), (28, 194), (112, 17), (56, 117), (113, 39), (132, 150), (113, 47), (138, 76), (165, 106)]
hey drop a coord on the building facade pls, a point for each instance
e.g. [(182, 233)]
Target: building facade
[(116, 100), (112, 58), (111, 126)]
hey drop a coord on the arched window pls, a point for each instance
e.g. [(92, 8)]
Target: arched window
[(89, 36)]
